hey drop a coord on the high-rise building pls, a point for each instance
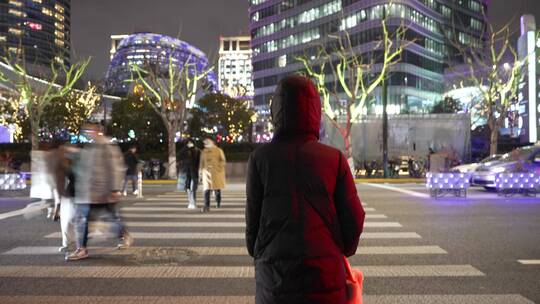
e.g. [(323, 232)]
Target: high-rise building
[(235, 70), (39, 29), (284, 29), (528, 97)]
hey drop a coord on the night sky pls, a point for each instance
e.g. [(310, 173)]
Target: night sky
[(199, 22)]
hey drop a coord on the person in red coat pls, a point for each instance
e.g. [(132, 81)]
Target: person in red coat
[(303, 213)]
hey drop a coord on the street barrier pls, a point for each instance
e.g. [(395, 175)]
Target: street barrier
[(508, 184), (12, 181), (440, 184)]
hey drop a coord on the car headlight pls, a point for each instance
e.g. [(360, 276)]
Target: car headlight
[(498, 170)]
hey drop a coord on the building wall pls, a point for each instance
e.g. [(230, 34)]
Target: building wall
[(408, 135), (234, 67), (40, 27), (282, 30)]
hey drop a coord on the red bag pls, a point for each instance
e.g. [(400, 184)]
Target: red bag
[(355, 281)]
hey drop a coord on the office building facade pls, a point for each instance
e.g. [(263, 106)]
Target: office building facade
[(234, 67), (281, 30), (37, 29)]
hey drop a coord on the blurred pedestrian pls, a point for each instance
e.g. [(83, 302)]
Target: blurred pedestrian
[(303, 214), (99, 177), (190, 157), (65, 181), (212, 168), (132, 164)]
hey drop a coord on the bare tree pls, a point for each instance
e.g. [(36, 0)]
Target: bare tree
[(494, 69), (35, 93), (170, 90), (340, 67)]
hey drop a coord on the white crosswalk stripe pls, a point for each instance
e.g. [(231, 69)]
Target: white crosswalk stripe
[(228, 272), (240, 236), (370, 299), (224, 251)]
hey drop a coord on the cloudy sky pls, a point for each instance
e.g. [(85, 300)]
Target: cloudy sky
[(199, 22)]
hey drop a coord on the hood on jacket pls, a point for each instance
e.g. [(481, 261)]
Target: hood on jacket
[(296, 108)]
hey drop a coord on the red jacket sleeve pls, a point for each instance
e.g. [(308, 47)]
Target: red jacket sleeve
[(349, 209)]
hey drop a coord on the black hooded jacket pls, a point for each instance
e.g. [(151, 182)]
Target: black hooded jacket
[(303, 212)]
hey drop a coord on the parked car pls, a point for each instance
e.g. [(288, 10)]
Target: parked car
[(526, 159), (469, 168)]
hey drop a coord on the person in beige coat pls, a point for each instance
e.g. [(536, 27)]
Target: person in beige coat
[(212, 170)]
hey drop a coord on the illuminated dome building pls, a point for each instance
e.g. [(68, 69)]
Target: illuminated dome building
[(148, 49)]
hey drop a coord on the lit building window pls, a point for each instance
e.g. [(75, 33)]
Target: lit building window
[(59, 34), (16, 3), (17, 13), (14, 50), (59, 16), (59, 59), (15, 31), (59, 42), (59, 25), (59, 8), (37, 1), (47, 12), (3, 38)]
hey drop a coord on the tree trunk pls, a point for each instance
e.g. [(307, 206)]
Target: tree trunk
[(171, 153), (494, 135), (34, 136)]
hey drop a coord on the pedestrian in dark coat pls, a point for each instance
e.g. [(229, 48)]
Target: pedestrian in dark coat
[(302, 213), (190, 158)]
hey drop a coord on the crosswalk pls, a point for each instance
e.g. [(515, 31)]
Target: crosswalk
[(178, 246)]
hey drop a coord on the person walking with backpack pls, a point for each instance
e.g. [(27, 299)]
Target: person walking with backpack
[(212, 168), (99, 176), (303, 214)]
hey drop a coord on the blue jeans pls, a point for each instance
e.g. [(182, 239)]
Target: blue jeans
[(106, 212), (134, 182)]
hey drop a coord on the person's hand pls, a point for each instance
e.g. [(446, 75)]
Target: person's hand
[(115, 196)]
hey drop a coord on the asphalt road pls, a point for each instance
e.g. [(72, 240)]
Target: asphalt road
[(414, 249)]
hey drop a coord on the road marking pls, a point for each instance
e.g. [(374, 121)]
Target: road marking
[(390, 250), (240, 236), (226, 251), (381, 225), (183, 216), (529, 262), (209, 215), (224, 272), (177, 203), (191, 210), (178, 209), (447, 299), (372, 299), (128, 299), (202, 251), (218, 271), (30, 208), (187, 224), (392, 188), (237, 224)]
